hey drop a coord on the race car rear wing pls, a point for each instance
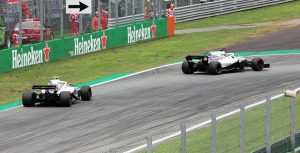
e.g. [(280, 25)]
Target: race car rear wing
[(190, 57), (45, 87)]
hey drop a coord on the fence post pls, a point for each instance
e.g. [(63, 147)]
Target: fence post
[(268, 124), (154, 9), (149, 144), (292, 124), (191, 2), (242, 128), (164, 8), (183, 138), (160, 7), (41, 20), (61, 2), (132, 9), (116, 13), (176, 5), (109, 9), (20, 21), (99, 15), (80, 24), (126, 7), (213, 132)]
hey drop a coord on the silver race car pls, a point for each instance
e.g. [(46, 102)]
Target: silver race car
[(57, 92), (215, 62)]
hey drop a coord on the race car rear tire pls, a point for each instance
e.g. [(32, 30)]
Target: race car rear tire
[(86, 93), (28, 99), (186, 68), (257, 64), (214, 68), (65, 99)]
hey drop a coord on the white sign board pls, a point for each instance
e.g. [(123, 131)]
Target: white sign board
[(79, 6)]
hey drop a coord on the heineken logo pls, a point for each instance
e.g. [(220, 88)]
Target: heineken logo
[(82, 46), (33, 56), (140, 34)]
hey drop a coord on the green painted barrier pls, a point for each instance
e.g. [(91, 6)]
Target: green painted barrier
[(44, 52)]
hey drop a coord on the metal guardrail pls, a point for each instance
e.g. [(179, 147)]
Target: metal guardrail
[(207, 9)]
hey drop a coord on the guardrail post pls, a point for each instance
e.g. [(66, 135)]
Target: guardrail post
[(213, 132), (149, 144), (292, 101), (183, 138), (268, 124), (242, 128), (20, 21)]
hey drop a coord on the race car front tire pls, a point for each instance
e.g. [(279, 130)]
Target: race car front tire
[(65, 99), (86, 93), (257, 64), (28, 99), (186, 68), (214, 68)]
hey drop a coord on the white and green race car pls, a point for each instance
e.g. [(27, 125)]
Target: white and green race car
[(215, 62)]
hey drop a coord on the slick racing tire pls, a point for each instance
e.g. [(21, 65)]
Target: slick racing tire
[(186, 68), (28, 99), (214, 68), (65, 99), (257, 64), (86, 93)]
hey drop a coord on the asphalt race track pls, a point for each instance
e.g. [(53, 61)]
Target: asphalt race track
[(130, 109)]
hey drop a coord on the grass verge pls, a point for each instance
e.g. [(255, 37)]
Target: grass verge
[(280, 12), (125, 59), (228, 131)]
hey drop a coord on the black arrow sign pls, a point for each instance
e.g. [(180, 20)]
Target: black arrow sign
[(81, 6)]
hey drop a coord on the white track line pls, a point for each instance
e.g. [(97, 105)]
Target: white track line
[(134, 74), (10, 108), (205, 123)]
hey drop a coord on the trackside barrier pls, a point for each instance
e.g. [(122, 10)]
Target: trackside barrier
[(44, 52), (271, 125)]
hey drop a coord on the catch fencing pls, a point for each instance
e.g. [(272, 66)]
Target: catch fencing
[(271, 125)]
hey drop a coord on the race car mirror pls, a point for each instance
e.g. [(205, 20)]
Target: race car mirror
[(290, 93)]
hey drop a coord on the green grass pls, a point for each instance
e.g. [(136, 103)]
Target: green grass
[(125, 59), (280, 12), (228, 131)]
